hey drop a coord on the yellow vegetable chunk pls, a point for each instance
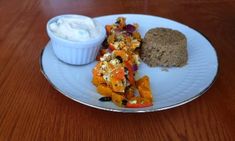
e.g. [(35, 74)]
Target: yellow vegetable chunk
[(104, 90)]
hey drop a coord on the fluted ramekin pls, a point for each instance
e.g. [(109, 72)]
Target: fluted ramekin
[(75, 52)]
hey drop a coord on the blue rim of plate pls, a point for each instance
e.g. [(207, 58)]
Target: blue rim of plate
[(140, 110)]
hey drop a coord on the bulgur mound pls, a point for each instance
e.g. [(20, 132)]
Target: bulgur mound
[(164, 47)]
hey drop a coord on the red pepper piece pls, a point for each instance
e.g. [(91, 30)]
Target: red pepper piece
[(130, 73), (138, 105), (111, 47), (98, 57)]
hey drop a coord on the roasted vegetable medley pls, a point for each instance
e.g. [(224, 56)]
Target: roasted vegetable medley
[(118, 61)]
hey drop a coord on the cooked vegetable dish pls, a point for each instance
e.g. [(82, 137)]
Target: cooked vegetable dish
[(118, 61)]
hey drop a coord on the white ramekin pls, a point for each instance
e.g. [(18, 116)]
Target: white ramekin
[(75, 52)]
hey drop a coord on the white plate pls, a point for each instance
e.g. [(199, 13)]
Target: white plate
[(170, 88)]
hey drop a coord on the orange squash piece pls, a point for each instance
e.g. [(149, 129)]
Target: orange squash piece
[(117, 99), (97, 80), (143, 86)]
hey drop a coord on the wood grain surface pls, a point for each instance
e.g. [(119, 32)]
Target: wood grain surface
[(32, 110)]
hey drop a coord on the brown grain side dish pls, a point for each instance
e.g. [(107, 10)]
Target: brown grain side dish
[(164, 47)]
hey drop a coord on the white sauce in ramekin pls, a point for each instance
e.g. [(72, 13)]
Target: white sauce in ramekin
[(75, 28)]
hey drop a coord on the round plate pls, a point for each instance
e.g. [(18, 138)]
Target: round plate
[(170, 88)]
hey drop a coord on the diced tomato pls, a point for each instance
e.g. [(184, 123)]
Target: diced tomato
[(111, 47)]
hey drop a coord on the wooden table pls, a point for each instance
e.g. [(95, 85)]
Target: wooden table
[(31, 109)]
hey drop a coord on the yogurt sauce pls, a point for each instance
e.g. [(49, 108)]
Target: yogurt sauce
[(75, 28)]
